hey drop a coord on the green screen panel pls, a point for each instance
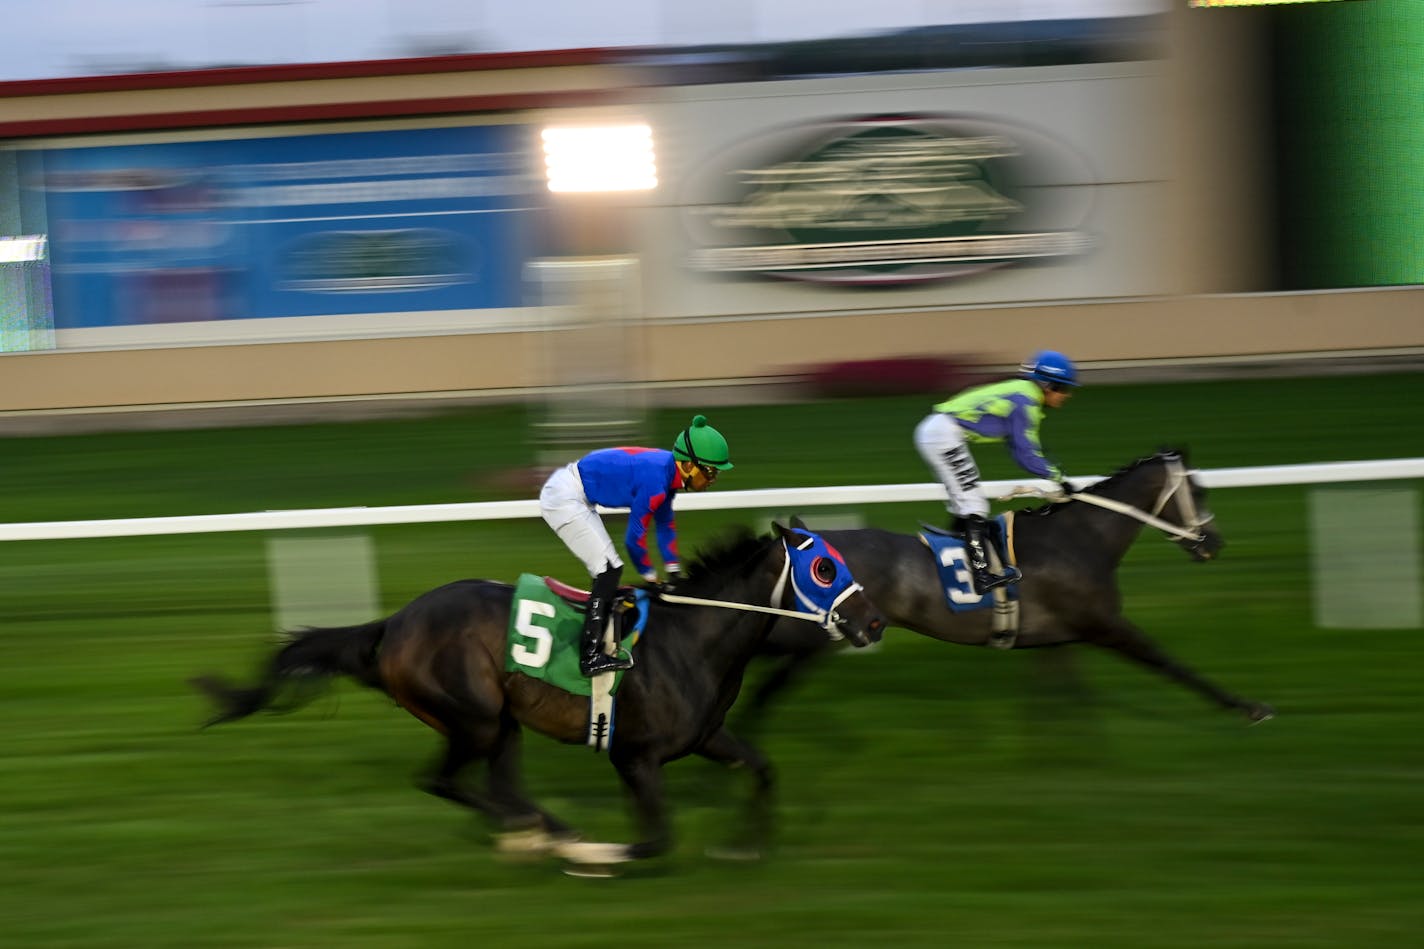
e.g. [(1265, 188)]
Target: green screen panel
[(1350, 143)]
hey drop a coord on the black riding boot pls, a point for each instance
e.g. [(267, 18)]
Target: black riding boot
[(592, 659), (976, 535)]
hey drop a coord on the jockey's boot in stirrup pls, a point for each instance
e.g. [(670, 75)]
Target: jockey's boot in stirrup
[(592, 659), (976, 535)]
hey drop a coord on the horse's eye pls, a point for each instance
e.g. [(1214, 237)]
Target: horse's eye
[(823, 570)]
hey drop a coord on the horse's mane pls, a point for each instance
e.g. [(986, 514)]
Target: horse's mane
[(1127, 469), (732, 548)]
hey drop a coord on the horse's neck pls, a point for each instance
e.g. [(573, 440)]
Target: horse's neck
[(729, 635), (1140, 488)]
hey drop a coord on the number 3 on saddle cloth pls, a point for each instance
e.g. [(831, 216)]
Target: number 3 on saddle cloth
[(957, 580), (543, 643)]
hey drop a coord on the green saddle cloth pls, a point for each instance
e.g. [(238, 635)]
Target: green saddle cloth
[(543, 639)]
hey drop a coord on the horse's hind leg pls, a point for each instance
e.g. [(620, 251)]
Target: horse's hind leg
[(1123, 637), (726, 748), (462, 749), (506, 783), (522, 827)]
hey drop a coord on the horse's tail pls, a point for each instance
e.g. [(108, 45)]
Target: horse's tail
[(312, 657)]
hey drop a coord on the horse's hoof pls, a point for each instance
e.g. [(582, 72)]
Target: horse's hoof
[(1259, 712), (532, 842), (588, 853), (589, 871), (592, 860)]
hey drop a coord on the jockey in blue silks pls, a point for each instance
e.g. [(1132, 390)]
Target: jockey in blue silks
[(644, 480)]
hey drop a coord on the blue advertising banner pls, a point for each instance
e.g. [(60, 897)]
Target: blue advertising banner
[(300, 225)]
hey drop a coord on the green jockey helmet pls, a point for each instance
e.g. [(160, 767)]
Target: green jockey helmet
[(702, 444)]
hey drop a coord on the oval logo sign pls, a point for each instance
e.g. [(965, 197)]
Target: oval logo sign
[(888, 201)]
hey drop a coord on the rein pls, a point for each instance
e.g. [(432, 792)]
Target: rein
[(1176, 480), (823, 618), (1149, 519)]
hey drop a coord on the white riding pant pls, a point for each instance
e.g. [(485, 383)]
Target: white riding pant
[(941, 444), (572, 516)]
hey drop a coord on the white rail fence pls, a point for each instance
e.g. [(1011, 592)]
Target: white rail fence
[(773, 498)]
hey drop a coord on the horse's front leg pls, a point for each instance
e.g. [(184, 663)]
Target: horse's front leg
[(643, 777), (785, 672), (726, 748), (1123, 637)]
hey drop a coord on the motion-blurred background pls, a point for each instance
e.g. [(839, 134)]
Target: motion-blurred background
[(423, 267)]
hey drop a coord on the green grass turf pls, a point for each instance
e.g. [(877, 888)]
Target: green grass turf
[(930, 795)]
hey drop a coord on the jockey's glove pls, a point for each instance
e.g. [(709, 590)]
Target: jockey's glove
[(658, 588)]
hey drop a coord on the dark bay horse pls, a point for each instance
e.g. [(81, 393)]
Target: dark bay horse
[(1069, 553), (442, 657)]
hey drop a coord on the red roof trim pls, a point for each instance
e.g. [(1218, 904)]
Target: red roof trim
[(300, 72), (270, 115)]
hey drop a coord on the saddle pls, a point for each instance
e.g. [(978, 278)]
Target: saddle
[(623, 611), (996, 525)]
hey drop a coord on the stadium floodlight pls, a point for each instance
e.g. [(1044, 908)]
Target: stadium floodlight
[(594, 158), (18, 250)]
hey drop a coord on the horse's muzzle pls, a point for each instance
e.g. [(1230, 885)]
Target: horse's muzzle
[(1207, 548), (860, 632)]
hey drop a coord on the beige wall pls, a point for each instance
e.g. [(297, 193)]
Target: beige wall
[(1182, 328), (1191, 327), (209, 374)]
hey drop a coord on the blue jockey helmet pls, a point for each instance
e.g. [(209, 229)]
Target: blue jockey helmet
[(1050, 367)]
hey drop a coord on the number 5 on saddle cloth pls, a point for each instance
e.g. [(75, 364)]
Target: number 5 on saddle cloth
[(544, 627)]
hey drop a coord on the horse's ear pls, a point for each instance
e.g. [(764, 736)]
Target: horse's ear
[(778, 530), (799, 524)]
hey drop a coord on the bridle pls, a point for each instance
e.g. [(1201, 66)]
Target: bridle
[(1177, 485), (829, 618)]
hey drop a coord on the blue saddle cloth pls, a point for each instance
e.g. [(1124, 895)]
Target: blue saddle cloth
[(955, 576)]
